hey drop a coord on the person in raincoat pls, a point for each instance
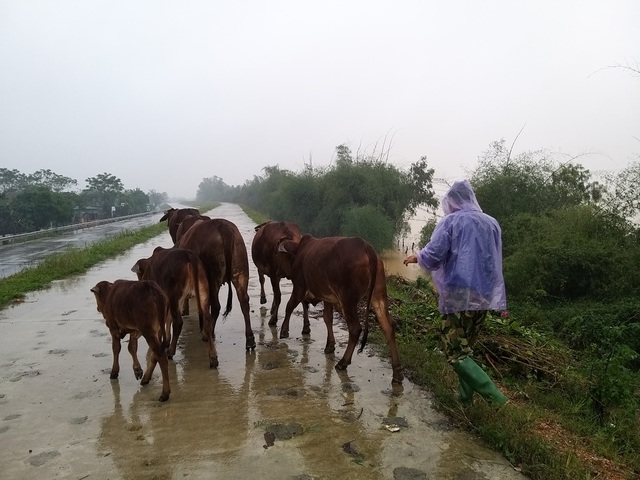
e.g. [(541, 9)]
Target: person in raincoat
[(464, 256)]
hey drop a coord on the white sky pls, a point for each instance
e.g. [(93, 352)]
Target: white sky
[(162, 94)]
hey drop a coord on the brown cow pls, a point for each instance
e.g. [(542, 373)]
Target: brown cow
[(181, 275), (264, 251), (187, 223), (175, 216), (221, 248), (139, 308), (340, 271)]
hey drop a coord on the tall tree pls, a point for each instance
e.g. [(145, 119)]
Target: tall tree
[(38, 207), (157, 198), (51, 180), (132, 202), (104, 190), (11, 180)]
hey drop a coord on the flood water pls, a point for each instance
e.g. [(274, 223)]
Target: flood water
[(279, 412)]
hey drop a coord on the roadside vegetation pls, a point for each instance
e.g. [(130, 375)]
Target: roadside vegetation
[(44, 199), (357, 195)]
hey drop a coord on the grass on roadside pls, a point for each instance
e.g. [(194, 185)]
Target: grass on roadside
[(545, 430), (72, 262)]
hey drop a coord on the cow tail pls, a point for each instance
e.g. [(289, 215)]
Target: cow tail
[(229, 246), (373, 272)]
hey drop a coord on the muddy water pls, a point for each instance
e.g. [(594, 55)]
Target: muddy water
[(279, 412)]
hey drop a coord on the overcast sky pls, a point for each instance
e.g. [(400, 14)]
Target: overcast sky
[(162, 94)]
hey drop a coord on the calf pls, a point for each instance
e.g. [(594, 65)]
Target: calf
[(264, 250), (181, 275), (175, 216), (223, 253), (139, 308), (340, 271)]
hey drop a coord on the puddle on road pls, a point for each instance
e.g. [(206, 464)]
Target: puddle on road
[(279, 412)]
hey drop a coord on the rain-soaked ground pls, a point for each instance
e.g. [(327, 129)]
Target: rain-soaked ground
[(279, 412)]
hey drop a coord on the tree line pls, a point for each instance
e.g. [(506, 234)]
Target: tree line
[(358, 195), (45, 199)]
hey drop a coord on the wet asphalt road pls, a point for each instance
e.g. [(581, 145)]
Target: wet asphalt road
[(279, 412), (18, 256)]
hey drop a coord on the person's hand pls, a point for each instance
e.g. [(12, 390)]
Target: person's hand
[(410, 259)]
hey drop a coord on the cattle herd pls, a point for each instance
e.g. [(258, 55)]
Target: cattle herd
[(209, 252)]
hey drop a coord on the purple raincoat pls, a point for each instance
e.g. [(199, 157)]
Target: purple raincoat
[(464, 255)]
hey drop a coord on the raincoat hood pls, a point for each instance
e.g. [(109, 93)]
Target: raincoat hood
[(460, 197)]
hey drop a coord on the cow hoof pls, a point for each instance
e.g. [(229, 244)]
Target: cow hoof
[(330, 349), (169, 356), (273, 322), (145, 381), (138, 374), (164, 397), (341, 366), (263, 300), (213, 362), (113, 376), (306, 331), (284, 334)]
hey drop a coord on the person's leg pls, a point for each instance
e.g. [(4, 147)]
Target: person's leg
[(459, 334), (456, 347)]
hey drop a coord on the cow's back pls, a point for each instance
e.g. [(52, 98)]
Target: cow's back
[(219, 245), (129, 302), (342, 266)]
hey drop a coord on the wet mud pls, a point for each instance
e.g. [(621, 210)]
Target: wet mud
[(281, 411)]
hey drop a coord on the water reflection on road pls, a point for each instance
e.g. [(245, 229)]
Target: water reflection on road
[(280, 412)]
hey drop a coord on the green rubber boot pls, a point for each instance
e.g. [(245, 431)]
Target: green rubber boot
[(470, 373), (466, 392)]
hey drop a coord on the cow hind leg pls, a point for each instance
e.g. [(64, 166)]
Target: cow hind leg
[(215, 313), (353, 324), (176, 327), (277, 298), (158, 355), (133, 350), (388, 328), (241, 284), (327, 315), (306, 326), (208, 332), (115, 347), (185, 307), (263, 295)]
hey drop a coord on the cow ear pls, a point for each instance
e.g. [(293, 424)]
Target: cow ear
[(288, 246), (136, 268), (95, 289)]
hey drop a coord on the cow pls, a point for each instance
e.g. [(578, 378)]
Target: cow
[(181, 275), (222, 250), (264, 250), (175, 216), (187, 223), (339, 271), (139, 308)]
